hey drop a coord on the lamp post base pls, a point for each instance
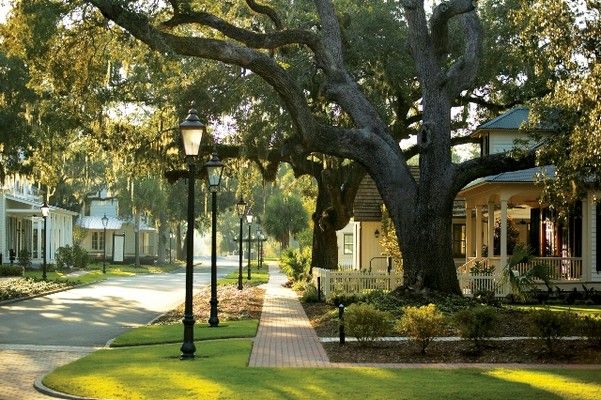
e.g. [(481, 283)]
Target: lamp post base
[(213, 319), (188, 347)]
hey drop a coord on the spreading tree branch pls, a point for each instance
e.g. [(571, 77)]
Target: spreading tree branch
[(492, 164), (266, 10)]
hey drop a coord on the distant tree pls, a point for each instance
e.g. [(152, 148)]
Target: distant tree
[(284, 216)]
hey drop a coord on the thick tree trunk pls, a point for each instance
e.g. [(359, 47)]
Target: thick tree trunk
[(325, 246), (163, 240), (427, 253)]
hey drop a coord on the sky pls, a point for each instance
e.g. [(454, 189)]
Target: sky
[(4, 8)]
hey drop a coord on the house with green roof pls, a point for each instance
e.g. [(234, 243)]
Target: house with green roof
[(500, 211)]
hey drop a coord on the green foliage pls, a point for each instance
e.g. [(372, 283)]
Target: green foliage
[(591, 329), (550, 326), (10, 270), (389, 242), (24, 258), (296, 263), (284, 215), (68, 257), (14, 288), (421, 324), (524, 283), (476, 324), (367, 323), (338, 297), (309, 294)]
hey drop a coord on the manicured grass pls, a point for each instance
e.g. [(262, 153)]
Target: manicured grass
[(258, 277), (578, 309), (172, 333), (219, 372)]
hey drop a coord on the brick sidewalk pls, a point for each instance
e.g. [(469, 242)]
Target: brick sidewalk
[(285, 337), (21, 365)]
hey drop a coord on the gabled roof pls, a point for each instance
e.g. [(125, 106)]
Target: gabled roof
[(512, 120)]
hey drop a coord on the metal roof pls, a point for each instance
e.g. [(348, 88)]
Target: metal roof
[(95, 223), (521, 176), (512, 119)]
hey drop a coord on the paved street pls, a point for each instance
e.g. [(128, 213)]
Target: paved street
[(38, 334)]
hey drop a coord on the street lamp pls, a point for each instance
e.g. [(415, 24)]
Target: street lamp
[(105, 222), (192, 130), (214, 170), (249, 219), (258, 247), (45, 212), (241, 210), (263, 239)]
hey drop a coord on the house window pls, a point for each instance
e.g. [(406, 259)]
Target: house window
[(97, 241), (348, 243), (458, 240), (35, 243)]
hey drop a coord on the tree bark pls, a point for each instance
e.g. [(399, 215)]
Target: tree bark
[(163, 241)]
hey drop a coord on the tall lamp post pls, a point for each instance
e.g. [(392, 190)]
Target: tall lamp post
[(214, 170), (258, 247), (241, 210), (105, 222), (192, 130), (249, 219), (45, 212)]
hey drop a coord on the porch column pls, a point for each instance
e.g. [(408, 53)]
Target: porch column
[(468, 231), (491, 229), (586, 260), (478, 231), (503, 235)]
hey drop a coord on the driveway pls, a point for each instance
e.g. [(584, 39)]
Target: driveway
[(39, 334)]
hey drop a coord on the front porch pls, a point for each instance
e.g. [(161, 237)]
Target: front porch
[(486, 274)]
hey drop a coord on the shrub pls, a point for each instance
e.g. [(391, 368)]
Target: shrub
[(422, 324), (24, 258), (296, 263), (367, 323), (590, 327), (550, 326), (10, 270), (338, 297), (310, 294), (476, 324), (72, 257)]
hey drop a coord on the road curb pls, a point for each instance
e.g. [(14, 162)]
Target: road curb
[(40, 387)]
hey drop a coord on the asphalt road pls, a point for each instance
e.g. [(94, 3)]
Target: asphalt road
[(92, 315)]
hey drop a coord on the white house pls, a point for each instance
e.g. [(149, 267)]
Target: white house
[(569, 247), (120, 233), (22, 224)]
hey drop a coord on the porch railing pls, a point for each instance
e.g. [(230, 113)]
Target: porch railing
[(472, 279), (332, 281)]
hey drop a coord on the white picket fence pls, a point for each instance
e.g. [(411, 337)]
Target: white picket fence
[(332, 281)]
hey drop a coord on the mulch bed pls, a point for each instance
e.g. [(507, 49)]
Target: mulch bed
[(233, 304), (324, 318), (519, 351)]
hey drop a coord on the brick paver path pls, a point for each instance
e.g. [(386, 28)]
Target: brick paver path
[(21, 365), (285, 337)]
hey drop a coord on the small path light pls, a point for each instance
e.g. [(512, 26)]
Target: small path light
[(341, 324)]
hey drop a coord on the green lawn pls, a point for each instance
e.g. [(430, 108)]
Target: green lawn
[(172, 333), (219, 372), (258, 277)]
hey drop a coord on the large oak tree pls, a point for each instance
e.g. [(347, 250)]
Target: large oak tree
[(421, 212)]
